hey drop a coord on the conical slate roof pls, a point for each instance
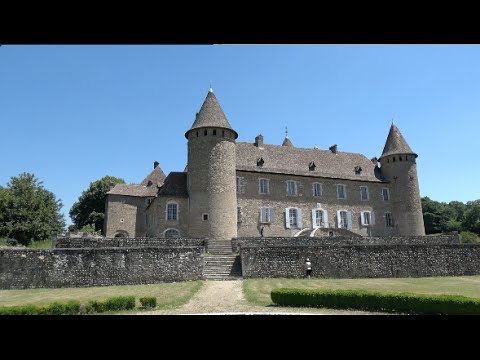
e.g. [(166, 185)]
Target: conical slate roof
[(211, 115), (287, 142), (395, 143)]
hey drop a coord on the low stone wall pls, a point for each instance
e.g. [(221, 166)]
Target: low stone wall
[(78, 243), (361, 261), (53, 268), (344, 240)]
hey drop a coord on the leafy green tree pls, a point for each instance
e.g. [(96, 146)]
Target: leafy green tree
[(29, 212), (469, 237), (472, 217), (90, 207)]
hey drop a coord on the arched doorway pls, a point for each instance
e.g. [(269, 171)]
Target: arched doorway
[(171, 233)]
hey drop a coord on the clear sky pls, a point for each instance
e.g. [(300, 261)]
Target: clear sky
[(72, 114)]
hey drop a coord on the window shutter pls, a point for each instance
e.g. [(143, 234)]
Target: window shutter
[(362, 218), (339, 219), (299, 218), (296, 187), (272, 215), (349, 220), (259, 186), (287, 218), (314, 218), (262, 214), (325, 218), (372, 218)]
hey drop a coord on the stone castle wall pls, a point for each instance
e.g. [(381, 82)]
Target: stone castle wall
[(125, 214), (157, 222), (55, 268), (78, 243)]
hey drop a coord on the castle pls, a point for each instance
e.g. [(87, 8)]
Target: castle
[(235, 189)]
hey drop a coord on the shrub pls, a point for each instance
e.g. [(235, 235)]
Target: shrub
[(378, 301), (111, 304), (5, 241), (469, 237), (70, 308), (148, 302)]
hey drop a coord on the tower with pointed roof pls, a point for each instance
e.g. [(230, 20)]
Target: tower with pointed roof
[(211, 173), (398, 166)]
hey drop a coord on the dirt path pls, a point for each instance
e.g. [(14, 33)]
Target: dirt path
[(226, 297)]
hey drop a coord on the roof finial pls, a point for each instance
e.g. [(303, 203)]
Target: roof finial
[(286, 132), (211, 90)]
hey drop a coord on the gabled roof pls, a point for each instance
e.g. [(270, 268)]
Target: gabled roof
[(295, 161), (156, 177), (211, 115), (396, 143), (175, 185), (133, 190), (287, 142)]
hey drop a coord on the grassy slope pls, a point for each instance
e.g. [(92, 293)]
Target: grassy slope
[(258, 291), (169, 295)]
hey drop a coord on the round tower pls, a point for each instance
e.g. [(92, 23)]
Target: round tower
[(398, 165), (212, 173)]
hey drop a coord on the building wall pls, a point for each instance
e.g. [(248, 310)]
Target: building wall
[(125, 214), (42, 268), (78, 243), (250, 202), (406, 199), (361, 261), (157, 221), (211, 184)]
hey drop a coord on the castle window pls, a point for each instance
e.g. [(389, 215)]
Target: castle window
[(122, 220), (293, 218), (358, 170), (267, 215), (205, 132), (385, 194), (238, 183), (341, 191), (317, 189), (367, 218), (171, 233), (406, 157), (388, 160), (394, 159), (260, 162), (364, 193), (223, 133), (344, 219), (214, 132), (205, 217), (292, 188), (197, 133), (312, 166), (239, 214), (172, 211), (319, 218), (263, 186), (400, 158), (388, 219)]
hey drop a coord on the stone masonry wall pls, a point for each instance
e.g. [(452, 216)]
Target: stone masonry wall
[(250, 202), (54, 268), (123, 242), (361, 261)]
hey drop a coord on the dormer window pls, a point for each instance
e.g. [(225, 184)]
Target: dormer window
[(358, 170), (260, 162), (312, 166)]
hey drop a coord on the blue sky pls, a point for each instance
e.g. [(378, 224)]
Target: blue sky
[(72, 114)]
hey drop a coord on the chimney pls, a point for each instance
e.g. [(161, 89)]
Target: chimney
[(259, 141), (374, 161), (155, 164), (333, 148)]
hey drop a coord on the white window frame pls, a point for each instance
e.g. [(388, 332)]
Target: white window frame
[(298, 223), (344, 192), (266, 187), (388, 194), (324, 223), (388, 218), (295, 188), (314, 185), (371, 218), (340, 220), (366, 191), (176, 211), (267, 215)]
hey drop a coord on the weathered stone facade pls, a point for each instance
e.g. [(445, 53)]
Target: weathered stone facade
[(231, 189), (53, 268)]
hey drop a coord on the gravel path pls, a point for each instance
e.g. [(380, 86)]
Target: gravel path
[(226, 297)]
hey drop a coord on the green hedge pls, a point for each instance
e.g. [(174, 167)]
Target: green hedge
[(378, 301), (72, 307), (148, 302)]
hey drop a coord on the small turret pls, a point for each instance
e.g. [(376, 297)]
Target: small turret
[(398, 166)]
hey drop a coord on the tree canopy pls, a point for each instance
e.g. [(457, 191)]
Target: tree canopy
[(90, 207), (28, 211)]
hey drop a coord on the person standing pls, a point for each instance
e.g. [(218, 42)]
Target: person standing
[(261, 231), (308, 268)]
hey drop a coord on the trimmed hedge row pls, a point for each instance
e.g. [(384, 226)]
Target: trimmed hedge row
[(73, 307), (148, 302), (378, 301)]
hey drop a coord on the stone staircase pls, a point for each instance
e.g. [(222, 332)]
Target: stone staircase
[(220, 263)]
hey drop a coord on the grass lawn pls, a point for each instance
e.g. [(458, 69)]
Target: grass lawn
[(169, 295), (257, 291)]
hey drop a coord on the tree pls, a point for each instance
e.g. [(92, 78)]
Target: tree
[(29, 212), (90, 207), (472, 217)]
